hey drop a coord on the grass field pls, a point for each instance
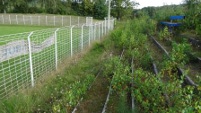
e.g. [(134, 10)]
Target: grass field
[(13, 29)]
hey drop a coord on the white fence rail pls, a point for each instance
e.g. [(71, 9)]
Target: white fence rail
[(41, 20), (25, 57)]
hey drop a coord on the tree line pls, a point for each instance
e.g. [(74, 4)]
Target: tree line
[(98, 8)]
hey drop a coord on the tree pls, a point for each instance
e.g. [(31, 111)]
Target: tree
[(193, 15), (87, 8), (3, 5), (122, 8), (20, 6), (100, 9)]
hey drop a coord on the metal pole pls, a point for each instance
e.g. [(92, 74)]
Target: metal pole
[(9, 19), (89, 34), (16, 19), (109, 14), (30, 60), (38, 20), (71, 40), (99, 30), (23, 20), (105, 26), (78, 20), (94, 37), (3, 19), (54, 20), (70, 20), (31, 20), (56, 52), (62, 20), (46, 20), (102, 28), (82, 33)]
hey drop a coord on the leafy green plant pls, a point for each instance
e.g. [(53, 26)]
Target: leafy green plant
[(120, 73), (77, 90), (165, 34), (148, 89), (193, 15), (149, 94)]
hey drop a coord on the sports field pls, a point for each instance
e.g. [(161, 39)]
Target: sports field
[(13, 29)]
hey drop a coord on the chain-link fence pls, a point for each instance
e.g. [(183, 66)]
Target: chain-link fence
[(25, 57), (41, 20)]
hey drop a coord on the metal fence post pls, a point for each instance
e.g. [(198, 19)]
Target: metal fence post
[(30, 60), (23, 20), (54, 20), (78, 20), (71, 40), (113, 23), (46, 20), (86, 20), (101, 29), (31, 19), (56, 50), (70, 20), (16, 19), (38, 20), (62, 20), (82, 33), (9, 19), (94, 37), (3, 19), (89, 34), (105, 27)]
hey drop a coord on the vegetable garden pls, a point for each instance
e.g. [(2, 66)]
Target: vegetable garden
[(139, 67)]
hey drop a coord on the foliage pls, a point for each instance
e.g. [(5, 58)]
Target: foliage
[(161, 93), (122, 8), (87, 8), (179, 52), (100, 9), (120, 73), (193, 15), (177, 58), (77, 90), (164, 34), (150, 95), (164, 12)]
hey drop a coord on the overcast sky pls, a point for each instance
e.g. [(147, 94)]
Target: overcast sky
[(145, 3)]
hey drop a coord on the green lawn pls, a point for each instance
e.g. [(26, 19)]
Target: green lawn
[(13, 29)]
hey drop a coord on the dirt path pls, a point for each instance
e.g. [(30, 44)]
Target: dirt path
[(94, 101)]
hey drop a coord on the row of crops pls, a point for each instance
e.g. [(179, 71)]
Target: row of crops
[(147, 71), (147, 78), (139, 70)]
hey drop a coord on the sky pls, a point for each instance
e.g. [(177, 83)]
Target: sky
[(145, 3)]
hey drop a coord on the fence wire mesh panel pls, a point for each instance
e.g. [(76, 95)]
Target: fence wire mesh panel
[(14, 64), (64, 43), (25, 57), (43, 52), (76, 39), (86, 36), (42, 20)]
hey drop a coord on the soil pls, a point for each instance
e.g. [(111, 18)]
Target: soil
[(94, 101)]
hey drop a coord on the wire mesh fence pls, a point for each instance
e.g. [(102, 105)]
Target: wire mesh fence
[(26, 57), (41, 20)]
